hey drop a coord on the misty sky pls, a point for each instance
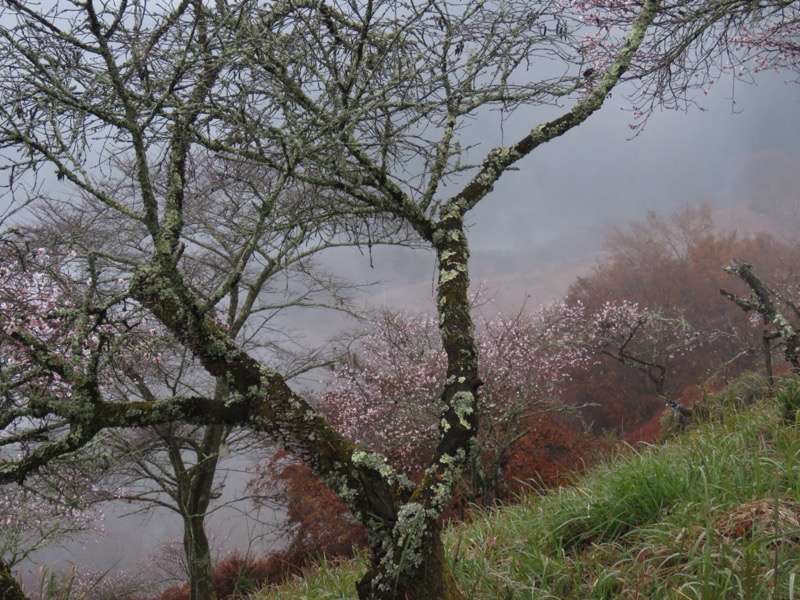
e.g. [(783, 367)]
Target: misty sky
[(567, 193), (596, 173)]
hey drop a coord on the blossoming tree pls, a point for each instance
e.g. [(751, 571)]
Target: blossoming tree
[(38, 317), (380, 394)]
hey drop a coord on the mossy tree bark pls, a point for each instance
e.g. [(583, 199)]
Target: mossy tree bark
[(198, 556), (431, 580), (9, 587), (408, 555)]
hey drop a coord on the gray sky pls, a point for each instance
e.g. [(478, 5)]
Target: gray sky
[(596, 173)]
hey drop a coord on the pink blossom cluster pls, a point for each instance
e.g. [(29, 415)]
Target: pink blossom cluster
[(600, 29), (27, 298), (47, 340), (32, 308), (104, 585), (39, 515), (771, 43), (385, 394), (648, 335)]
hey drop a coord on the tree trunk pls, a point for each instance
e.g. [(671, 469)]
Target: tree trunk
[(766, 337), (414, 568), (407, 553), (194, 491), (9, 587), (762, 302), (198, 556)]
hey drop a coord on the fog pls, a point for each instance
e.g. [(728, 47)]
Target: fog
[(146, 542), (597, 174), (542, 226), (543, 223)]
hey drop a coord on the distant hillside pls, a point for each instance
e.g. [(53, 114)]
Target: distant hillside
[(541, 273)]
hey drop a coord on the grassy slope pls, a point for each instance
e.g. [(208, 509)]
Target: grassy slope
[(693, 518)]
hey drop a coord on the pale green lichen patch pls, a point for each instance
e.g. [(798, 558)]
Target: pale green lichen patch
[(403, 546), (446, 276), (262, 420), (463, 406), (233, 399), (441, 490), (446, 459), (408, 531), (447, 473), (783, 325), (339, 484), (379, 463)]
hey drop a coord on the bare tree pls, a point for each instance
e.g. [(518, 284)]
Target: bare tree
[(181, 467), (367, 101)]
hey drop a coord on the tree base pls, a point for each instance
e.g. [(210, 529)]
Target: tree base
[(432, 580)]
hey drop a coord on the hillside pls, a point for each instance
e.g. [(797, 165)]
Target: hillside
[(711, 513)]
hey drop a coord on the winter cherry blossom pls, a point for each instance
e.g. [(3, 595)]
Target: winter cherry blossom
[(385, 393), (39, 515), (45, 352), (640, 339)]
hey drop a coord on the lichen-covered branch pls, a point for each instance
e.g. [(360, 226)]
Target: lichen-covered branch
[(500, 159), (268, 402), (762, 302)]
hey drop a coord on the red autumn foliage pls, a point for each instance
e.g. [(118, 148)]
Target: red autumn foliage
[(549, 455), (648, 432), (672, 264), (236, 575), (176, 593), (319, 523)]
